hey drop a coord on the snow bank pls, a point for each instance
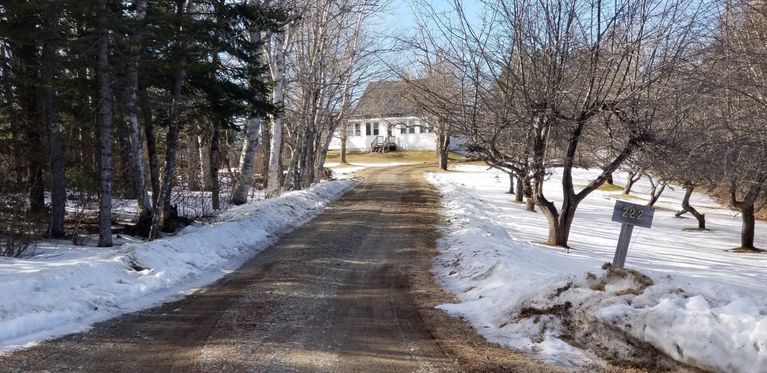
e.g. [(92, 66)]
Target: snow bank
[(705, 307), (67, 289), (346, 172)]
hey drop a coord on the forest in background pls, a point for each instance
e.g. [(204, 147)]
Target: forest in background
[(164, 102)]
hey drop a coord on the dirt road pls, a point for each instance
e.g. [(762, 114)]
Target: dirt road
[(350, 291)]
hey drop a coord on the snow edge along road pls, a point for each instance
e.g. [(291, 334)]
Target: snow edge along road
[(535, 299), (67, 291)]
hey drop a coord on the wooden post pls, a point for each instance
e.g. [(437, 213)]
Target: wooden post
[(623, 245), (629, 215)]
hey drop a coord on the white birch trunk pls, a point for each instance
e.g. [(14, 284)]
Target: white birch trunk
[(204, 155), (136, 145), (253, 126), (274, 177), (245, 177)]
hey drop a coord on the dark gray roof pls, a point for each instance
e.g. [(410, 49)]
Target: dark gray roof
[(384, 99)]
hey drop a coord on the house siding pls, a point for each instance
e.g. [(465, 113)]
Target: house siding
[(404, 141)]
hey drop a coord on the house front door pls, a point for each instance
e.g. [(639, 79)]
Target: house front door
[(389, 129)]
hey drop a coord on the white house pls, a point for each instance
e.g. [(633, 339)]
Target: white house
[(385, 119)]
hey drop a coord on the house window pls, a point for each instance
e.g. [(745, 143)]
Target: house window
[(410, 127), (425, 128), (376, 132), (367, 129), (402, 128), (411, 130), (354, 129)]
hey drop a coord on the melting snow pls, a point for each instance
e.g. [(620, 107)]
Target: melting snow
[(707, 307), (67, 288)]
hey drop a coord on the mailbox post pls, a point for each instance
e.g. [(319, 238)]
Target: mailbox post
[(629, 215)]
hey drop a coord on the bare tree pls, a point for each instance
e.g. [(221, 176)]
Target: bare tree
[(105, 127), (131, 107), (558, 65), (245, 174), (279, 46), (163, 204), (53, 125), (734, 77), (325, 72)]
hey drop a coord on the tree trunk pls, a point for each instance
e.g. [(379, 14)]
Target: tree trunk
[(274, 177), (253, 126), (344, 139), (136, 158), (520, 195), (26, 56), (610, 178), (105, 130), (656, 192), (55, 143), (528, 193), (205, 157), (242, 188), (632, 179), (162, 206), (511, 183), (686, 207), (346, 97), (747, 232), (307, 171), (293, 180), (747, 209), (274, 174), (443, 144), (151, 145), (123, 164), (561, 221), (560, 224), (174, 129), (193, 162), (265, 143), (215, 160), (322, 152)]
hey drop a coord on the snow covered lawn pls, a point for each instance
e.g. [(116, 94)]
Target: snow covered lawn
[(65, 288), (703, 306)]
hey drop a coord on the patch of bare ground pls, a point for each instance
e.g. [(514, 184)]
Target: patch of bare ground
[(745, 250), (350, 291), (578, 326), (457, 337)]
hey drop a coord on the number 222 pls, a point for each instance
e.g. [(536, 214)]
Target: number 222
[(632, 213)]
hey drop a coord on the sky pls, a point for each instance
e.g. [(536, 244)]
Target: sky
[(399, 20), (399, 14)]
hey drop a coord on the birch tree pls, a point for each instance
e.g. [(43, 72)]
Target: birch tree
[(131, 107), (320, 97), (252, 127), (279, 46)]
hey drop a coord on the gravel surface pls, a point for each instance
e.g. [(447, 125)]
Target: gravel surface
[(351, 291)]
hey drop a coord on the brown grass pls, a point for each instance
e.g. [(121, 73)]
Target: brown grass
[(610, 188), (391, 157), (745, 250)]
